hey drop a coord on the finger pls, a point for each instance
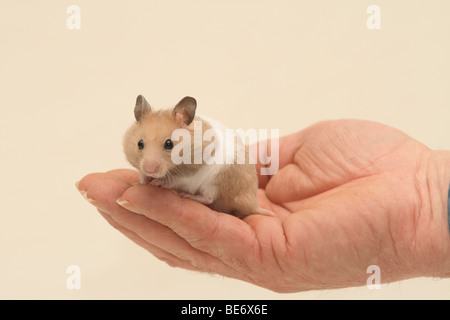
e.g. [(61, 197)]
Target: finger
[(281, 211), (84, 184), (301, 186), (218, 234), (128, 176), (284, 152), (160, 254), (107, 190), (321, 162), (102, 189)]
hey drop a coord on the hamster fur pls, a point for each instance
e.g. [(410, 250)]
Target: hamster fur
[(223, 186)]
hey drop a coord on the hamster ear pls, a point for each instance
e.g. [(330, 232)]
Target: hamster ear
[(142, 107), (184, 111)]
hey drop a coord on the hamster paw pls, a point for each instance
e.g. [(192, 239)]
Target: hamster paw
[(145, 179), (159, 183)]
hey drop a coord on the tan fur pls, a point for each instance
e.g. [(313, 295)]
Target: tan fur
[(155, 128), (237, 190), (236, 184)]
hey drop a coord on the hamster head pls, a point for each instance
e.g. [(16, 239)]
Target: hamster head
[(148, 144)]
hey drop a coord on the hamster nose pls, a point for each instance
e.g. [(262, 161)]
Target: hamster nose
[(151, 168)]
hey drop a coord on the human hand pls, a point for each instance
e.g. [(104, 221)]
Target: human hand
[(349, 194)]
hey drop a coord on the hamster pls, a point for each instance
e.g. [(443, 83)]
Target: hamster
[(223, 186)]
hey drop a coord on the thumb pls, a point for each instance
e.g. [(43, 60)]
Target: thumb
[(274, 154)]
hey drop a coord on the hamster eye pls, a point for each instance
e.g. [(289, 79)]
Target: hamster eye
[(141, 144), (168, 145)]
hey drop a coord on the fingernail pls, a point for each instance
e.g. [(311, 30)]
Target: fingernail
[(77, 185), (90, 200), (127, 205), (121, 202), (84, 193)]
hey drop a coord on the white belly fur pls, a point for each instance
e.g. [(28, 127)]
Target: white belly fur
[(202, 182)]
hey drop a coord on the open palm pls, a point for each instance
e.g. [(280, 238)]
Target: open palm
[(349, 194)]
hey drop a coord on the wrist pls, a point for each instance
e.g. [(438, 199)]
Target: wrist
[(436, 234)]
